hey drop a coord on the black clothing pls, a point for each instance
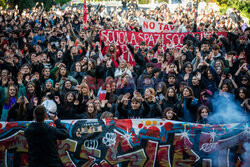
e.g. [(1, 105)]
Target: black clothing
[(202, 121), (122, 111), (18, 113), (136, 114), (152, 110), (124, 4), (197, 90), (171, 102), (69, 111), (42, 141)]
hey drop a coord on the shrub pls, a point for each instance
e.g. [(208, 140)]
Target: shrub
[(242, 5)]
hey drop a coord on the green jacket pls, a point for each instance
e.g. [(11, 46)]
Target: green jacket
[(21, 92), (69, 77)]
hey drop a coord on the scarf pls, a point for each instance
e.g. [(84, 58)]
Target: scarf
[(9, 105), (6, 108)]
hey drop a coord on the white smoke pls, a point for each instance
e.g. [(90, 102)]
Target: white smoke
[(226, 109), (246, 155)]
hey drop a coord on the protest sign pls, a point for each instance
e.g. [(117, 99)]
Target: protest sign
[(155, 26), (151, 39)]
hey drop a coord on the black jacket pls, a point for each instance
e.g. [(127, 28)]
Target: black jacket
[(152, 110), (69, 111), (42, 141), (171, 102), (136, 114), (122, 111)]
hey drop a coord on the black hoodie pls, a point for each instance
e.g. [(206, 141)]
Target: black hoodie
[(42, 141)]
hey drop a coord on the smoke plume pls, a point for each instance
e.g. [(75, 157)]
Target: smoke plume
[(226, 109)]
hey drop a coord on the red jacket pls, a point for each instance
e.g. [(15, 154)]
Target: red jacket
[(118, 54)]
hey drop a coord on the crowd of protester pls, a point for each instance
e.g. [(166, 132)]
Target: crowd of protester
[(55, 55)]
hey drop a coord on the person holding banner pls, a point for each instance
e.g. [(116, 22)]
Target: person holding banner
[(121, 71), (115, 51)]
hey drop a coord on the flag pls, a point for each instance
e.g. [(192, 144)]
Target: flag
[(102, 94), (85, 12)]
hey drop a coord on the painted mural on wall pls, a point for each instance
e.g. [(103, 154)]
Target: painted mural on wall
[(141, 142)]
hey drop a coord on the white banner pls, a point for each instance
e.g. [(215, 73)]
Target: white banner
[(154, 26)]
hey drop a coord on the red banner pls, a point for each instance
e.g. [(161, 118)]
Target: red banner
[(85, 15), (134, 38)]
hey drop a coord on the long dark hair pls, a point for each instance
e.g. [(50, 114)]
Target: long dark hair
[(65, 97), (166, 95), (191, 92), (198, 117), (21, 112), (247, 77), (169, 109), (8, 94), (186, 64), (229, 86), (245, 91), (64, 89), (111, 97), (58, 74), (91, 115)]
